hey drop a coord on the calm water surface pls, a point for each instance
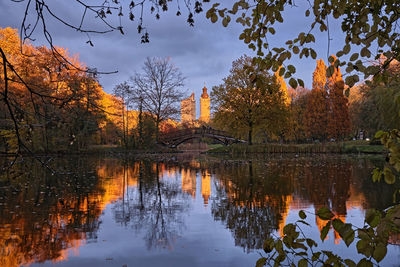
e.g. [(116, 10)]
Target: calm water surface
[(180, 211)]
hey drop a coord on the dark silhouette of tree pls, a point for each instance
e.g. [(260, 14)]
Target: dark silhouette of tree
[(123, 91), (158, 86)]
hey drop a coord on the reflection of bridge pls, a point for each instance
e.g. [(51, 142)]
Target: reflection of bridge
[(175, 138)]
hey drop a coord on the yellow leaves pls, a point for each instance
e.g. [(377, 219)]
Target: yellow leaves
[(11, 139)]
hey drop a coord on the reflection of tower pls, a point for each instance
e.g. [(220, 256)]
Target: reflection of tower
[(204, 106), (188, 109), (285, 211), (205, 186), (189, 182)]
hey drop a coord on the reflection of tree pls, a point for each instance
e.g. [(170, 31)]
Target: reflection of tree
[(156, 206), (248, 203), (42, 215), (253, 198)]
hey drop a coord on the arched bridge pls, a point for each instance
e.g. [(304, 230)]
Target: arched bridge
[(175, 138)]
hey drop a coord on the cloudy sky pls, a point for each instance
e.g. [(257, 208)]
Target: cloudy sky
[(204, 53)]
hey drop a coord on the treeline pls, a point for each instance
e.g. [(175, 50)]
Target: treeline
[(321, 113), (325, 113), (258, 107), (52, 102)]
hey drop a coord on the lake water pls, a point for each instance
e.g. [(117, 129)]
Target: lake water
[(183, 210)]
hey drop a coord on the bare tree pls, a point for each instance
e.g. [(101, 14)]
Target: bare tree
[(158, 86)]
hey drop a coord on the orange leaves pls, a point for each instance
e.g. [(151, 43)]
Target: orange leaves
[(327, 113)]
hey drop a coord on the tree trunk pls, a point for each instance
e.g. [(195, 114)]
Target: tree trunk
[(157, 127), (127, 128), (141, 123), (250, 133), (123, 123)]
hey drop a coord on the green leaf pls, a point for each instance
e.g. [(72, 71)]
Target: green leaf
[(297, 245), (313, 54), (293, 83), (364, 247), (349, 238), (350, 263), (379, 134), (307, 12), (281, 71), (214, 17), (271, 30), (268, 245), (365, 52), (311, 242), (363, 234), (289, 229), (364, 263), (225, 22), (279, 246), (325, 230), (351, 80), (346, 49), (376, 175), (354, 57), (337, 224), (372, 217), (389, 176), (302, 263), (315, 256), (302, 214), (347, 92), (291, 68), (301, 82), (261, 262), (379, 252), (330, 70), (325, 214), (296, 49)]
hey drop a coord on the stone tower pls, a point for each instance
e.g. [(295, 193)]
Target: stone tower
[(188, 110), (205, 106)]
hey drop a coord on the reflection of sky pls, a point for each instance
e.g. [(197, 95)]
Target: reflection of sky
[(199, 240), (202, 242)]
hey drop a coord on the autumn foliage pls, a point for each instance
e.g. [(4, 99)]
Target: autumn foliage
[(327, 115)]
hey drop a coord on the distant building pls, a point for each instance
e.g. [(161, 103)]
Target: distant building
[(188, 110), (204, 106)]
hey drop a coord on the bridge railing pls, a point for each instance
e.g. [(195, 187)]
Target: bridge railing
[(192, 131)]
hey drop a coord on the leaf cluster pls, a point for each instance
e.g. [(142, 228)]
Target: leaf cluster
[(365, 25), (295, 249)]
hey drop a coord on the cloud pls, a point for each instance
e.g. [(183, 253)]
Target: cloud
[(204, 53)]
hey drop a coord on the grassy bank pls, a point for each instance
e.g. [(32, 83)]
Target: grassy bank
[(332, 147)]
